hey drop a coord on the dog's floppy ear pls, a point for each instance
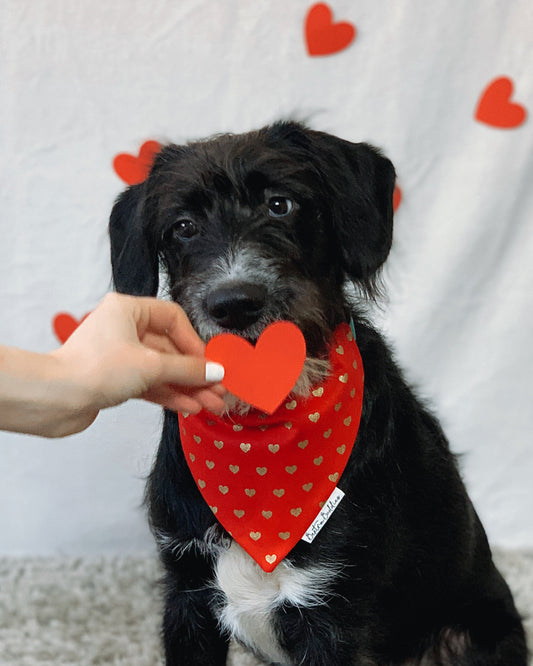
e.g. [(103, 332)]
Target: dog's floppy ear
[(362, 181), (133, 260), (358, 182)]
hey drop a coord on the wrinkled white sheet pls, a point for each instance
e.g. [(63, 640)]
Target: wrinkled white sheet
[(81, 82)]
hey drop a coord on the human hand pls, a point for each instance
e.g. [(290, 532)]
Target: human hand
[(133, 347)]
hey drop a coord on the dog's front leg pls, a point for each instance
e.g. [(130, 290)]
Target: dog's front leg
[(190, 632), (316, 637)]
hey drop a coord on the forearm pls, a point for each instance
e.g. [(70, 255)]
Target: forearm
[(37, 395)]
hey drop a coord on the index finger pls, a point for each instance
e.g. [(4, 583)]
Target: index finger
[(167, 318)]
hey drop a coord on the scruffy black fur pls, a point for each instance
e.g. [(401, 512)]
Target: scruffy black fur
[(271, 225)]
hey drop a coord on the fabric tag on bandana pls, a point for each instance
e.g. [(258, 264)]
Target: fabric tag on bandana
[(324, 515)]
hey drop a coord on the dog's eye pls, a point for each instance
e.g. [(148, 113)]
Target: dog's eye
[(184, 229), (279, 206)]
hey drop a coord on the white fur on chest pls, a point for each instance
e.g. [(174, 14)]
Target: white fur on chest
[(251, 597)]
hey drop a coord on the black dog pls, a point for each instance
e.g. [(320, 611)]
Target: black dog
[(268, 226)]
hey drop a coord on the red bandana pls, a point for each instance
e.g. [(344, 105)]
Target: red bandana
[(266, 477)]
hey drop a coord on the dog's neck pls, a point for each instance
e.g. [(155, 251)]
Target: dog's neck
[(315, 372)]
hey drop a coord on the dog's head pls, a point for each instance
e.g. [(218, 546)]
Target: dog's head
[(257, 227)]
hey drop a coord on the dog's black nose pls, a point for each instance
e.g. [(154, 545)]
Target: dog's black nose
[(236, 305)]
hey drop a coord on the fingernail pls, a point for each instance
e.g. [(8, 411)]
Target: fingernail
[(214, 372)]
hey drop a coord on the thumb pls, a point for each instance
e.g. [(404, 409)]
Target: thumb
[(185, 370)]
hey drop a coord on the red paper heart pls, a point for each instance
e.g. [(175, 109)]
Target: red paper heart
[(396, 198), (495, 107), (134, 170), (64, 325), (322, 35), (265, 374)]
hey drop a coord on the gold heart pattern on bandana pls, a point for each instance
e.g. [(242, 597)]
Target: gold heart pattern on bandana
[(266, 477)]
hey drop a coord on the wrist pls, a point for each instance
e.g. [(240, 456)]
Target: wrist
[(72, 403)]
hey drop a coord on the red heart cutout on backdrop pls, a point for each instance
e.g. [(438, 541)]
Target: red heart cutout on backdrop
[(265, 374), (495, 107), (322, 35), (396, 198), (64, 325), (134, 170)]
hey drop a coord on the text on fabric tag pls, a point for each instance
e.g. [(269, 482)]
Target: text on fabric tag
[(325, 514)]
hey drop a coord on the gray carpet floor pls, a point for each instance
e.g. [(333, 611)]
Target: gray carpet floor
[(106, 611)]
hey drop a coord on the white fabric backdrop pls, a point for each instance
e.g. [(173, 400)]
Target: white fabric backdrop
[(82, 82)]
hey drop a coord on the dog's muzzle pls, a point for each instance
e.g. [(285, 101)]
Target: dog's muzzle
[(236, 305)]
